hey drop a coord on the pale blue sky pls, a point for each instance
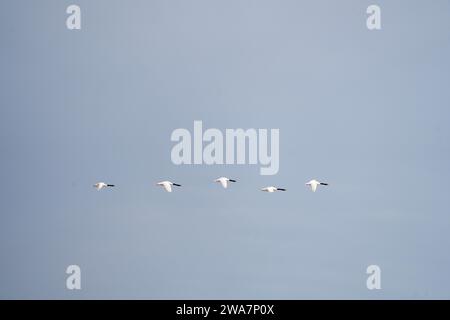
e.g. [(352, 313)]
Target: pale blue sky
[(367, 111)]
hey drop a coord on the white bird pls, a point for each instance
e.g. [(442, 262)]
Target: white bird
[(314, 183), (272, 189), (224, 181), (168, 185), (101, 185)]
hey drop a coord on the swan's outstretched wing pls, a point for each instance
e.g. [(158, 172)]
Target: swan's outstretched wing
[(168, 187), (224, 183)]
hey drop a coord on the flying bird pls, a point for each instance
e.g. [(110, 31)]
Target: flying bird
[(272, 189), (101, 185), (168, 185), (314, 183), (224, 181)]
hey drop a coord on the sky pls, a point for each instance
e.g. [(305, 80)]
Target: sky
[(366, 111)]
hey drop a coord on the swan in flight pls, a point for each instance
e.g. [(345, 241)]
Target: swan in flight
[(314, 183), (101, 185), (224, 181), (168, 185), (272, 189)]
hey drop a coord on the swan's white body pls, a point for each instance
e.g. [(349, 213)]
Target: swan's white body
[(224, 181), (167, 185), (313, 184), (272, 189), (101, 185)]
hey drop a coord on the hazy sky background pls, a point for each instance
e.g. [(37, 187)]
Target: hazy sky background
[(366, 111)]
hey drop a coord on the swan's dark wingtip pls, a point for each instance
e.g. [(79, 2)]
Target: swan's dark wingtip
[(232, 180), (281, 189), (324, 184), (176, 184)]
